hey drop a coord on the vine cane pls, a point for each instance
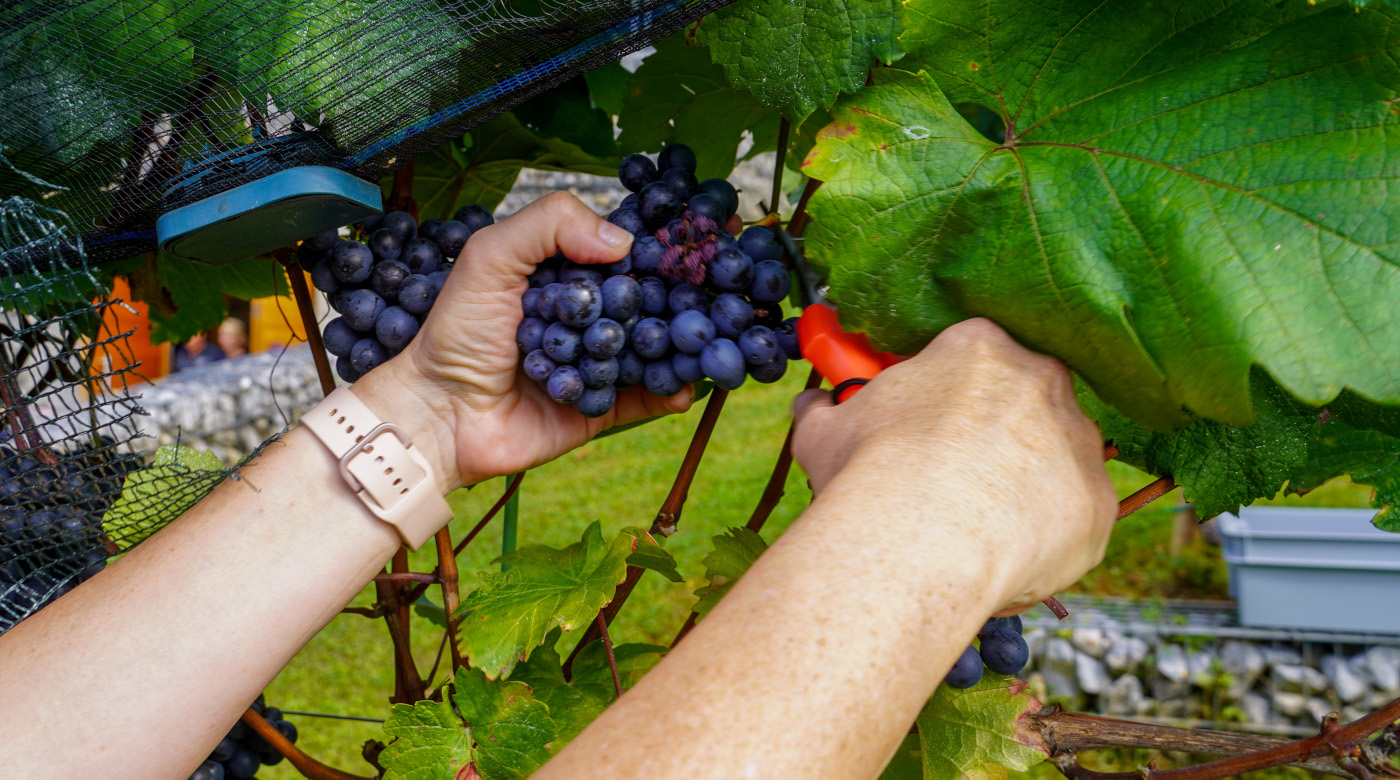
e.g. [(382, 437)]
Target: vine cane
[(305, 764)]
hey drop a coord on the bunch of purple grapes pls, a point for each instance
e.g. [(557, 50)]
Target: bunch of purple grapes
[(384, 286), (1000, 647), (239, 755), (690, 302)]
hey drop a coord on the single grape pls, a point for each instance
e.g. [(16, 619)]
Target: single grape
[(565, 384), (538, 366), (636, 172), (339, 337), (395, 328), (659, 203), (287, 729), (224, 750), (770, 372), (439, 280), (562, 343), (646, 255), (549, 301), (571, 271), (530, 302), (726, 240), (529, 335), (209, 770), (967, 670), (651, 338), (1012, 623), (421, 256), (401, 223), (1004, 651), (604, 338), (676, 156), (429, 229), (351, 262), (761, 244), (452, 236), (660, 378), (269, 757), (685, 297), (731, 315), (596, 401), (687, 367), (323, 276), (243, 765), (271, 714), (771, 282), (474, 217), (367, 354), (654, 295), (597, 372), (722, 361), (322, 243), (622, 298), (707, 206), (630, 368), (386, 278), (618, 268), (730, 271), (786, 331), (362, 308), (724, 192), (759, 345), (629, 220), (691, 331), (417, 293), (385, 244), (340, 299), (543, 275), (629, 201), (580, 303), (683, 182)]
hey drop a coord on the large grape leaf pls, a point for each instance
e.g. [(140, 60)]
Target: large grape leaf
[(735, 551), (972, 733), (1185, 191), (133, 48), (509, 615), (798, 55), (503, 732), (198, 290), (679, 96), (1368, 457)]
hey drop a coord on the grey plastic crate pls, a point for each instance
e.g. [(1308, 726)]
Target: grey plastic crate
[(1313, 568)]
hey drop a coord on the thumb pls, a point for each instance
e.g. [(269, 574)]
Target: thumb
[(809, 401)]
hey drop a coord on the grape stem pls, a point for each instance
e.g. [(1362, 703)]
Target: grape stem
[(1145, 496), (773, 491), (512, 486), (784, 127), (408, 576), (451, 592), (401, 195), (306, 765), (608, 648)]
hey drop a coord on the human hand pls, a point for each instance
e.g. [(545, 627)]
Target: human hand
[(974, 439), (457, 388)]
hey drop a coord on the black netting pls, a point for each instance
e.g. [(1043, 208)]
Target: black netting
[(137, 107)]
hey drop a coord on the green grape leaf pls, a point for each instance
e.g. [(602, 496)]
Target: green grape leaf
[(484, 166), (798, 55), (972, 733), (608, 87), (907, 762), (735, 551), (679, 96), (133, 48), (651, 555), (567, 112), (509, 615), (1149, 219), (1219, 467), (503, 732), (198, 290), (1369, 457), (176, 477)]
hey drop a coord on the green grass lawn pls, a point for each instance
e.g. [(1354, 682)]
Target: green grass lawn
[(621, 481)]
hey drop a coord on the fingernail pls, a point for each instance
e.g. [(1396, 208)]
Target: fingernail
[(613, 235)]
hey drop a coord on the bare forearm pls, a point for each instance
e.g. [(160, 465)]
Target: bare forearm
[(843, 628)]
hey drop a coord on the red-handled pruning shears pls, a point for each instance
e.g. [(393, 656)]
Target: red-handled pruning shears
[(846, 360)]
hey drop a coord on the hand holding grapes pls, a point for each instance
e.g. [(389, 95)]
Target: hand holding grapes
[(457, 387)]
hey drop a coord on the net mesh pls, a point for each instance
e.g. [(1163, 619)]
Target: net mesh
[(137, 107)]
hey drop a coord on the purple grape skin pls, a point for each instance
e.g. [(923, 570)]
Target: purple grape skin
[(474, 216), (636, 172), (451, 237), (629, 220), (429, 229), (580, 303), (538, 366), (654, 295), (604, 338), (530, 302), (761, 244), (362, 308), (386, 278), (622, 298), (385, 244), (321, 243), (339, 337), (682, 182), (421, 256), (722, 362), (323, 277), (596, 401), (572, 271), (344, 370), (549, 301), (562, 343), (565, 384), (367, 354), (677, 156), (597, 372), (417, 294), (771, 282), (660, 378), (630, 201), (786, 331), (759, 345), (351, 262), (659, 203), (618, 268), (685, 297), (691, 331), (770, 372), (529, 335), (687, 367), (724, 192), (1004, 652), (543, 275), (646, 255), (708, 206), (731, 315), (395, 328), (630, 368), (730, 271), (651, 338), (401, 223), (1009, 623), (967, 670)]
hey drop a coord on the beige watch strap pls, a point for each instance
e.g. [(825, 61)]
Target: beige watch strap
[(390, 476)]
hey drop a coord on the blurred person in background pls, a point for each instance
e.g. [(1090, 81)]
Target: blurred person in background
[(198, 351), (233, 337)]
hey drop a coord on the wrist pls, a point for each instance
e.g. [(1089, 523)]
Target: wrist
[(422, 412)]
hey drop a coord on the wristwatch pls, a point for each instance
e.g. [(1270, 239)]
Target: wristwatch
[(380, 464)]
